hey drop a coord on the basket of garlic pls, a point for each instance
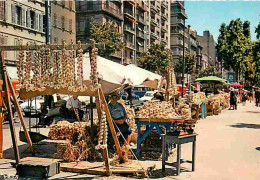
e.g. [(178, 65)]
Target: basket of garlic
[(184, 111), (198, 98), (155, 110)]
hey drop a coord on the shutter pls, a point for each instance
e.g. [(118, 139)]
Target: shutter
[(5, 43), (28, 19), (6, 11), (41, 22), (13, 12), (36, 21), (23, 17)]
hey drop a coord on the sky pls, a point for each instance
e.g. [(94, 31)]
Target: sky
[(209, 15)]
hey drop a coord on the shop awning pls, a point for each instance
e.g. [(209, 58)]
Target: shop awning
[(211, 79)]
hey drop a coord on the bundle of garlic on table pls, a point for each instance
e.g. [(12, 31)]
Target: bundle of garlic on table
[(198, 98), (184, 111), (155, 109)]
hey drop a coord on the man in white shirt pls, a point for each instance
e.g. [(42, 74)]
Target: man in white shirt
[(74, 103)]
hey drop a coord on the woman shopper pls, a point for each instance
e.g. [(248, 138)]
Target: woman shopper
[(233, 99)]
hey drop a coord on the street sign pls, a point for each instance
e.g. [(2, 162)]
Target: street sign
[(230, 77)]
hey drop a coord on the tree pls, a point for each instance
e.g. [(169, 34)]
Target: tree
[(256, 56), (156, 59), (108, 34), (209, 71), (234, 47), (189, 64)]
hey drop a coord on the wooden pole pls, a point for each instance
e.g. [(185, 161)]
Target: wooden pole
[(111, 125), (105, 151), (9, 110), (18, 110), (1, 123)]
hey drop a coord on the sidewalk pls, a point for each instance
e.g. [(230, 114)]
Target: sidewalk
[(228, 148)]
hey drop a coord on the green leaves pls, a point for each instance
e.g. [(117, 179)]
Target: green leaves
[(156, 59), (108, 34), (190, 61)]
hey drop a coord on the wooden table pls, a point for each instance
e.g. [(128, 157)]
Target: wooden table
[(179, 140), (152, 123)]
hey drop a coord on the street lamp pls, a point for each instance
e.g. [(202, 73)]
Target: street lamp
[(183, 62)]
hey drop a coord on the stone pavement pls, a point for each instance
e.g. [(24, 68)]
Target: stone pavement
[(228, 148)]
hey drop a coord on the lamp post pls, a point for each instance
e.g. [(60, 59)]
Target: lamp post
[(183, 62)]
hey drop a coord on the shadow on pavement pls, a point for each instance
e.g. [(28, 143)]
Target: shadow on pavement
[(244, 125), (254, 112), (257, 148)]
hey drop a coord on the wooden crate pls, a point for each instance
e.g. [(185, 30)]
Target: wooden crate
[(209, 110)]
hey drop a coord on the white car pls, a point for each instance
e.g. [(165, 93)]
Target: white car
[(29, 107), (148, 96)]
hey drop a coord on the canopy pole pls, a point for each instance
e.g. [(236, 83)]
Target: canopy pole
[(91, 112)]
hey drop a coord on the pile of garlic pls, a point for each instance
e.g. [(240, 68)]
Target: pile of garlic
[(198, 98), (184, 111), (155, 109)]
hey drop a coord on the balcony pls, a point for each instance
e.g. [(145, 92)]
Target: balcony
[(164, 16), (180, 21), (164, 5), (129, 29), (154, 36), (164, 40), (158, 8), (129, 45), (141, 5), (141, 20), (113, 12), (164, 29), (153, 22), (117, 54), (154, 9), (140, 49), (180, 12), (129, 13), (128, 60), (140, 34)]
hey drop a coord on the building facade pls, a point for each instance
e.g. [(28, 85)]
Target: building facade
[(63, 21), (21, 22), (178, 29), (140, 22)]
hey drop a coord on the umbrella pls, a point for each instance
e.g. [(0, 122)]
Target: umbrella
[(237, 85), (211, 79)]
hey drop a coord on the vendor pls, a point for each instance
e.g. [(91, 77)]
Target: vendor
[(118, 113), (74, 103)]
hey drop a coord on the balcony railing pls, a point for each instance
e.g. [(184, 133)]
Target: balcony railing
[(115, 12), (164, 40), (164, 16), (153, 35), (153, 8), (140, 49), (117, 54), (181, 12), (141, 19), (129, 45), (180, 21), (164, 29), (129, 29), (128, 12), (153, 22), (140, 34), (164, 5)]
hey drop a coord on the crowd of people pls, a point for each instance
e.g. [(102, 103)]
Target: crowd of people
[(242, 96)]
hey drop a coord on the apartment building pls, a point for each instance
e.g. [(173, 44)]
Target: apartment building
[(21, 22), (140, 22), (209, 47), (178, 29), (63, 21)]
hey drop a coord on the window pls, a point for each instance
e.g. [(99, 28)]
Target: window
[(70, 4), (63, 22), (70, 25), (55, 19), (3, 41), (18, 15), (2, 10), (32, 18)]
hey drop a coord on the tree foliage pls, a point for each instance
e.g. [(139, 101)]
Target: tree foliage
[(108, 34), (209, 71), (156, 59), (190, 61), (234, 47)]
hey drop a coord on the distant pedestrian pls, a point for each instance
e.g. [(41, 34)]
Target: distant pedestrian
[(257, 97), (250, 96), (244, 98)]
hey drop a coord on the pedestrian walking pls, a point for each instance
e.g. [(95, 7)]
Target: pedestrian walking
[(257, 97), (250, 96), (244, 98), (233, 99)]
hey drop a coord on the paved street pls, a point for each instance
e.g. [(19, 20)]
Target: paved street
[(228, 148)]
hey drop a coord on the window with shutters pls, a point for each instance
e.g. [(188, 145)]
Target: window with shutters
[(32, 18), (63, 22), (55, 19), (3, 41), (2, 10), (70, 25), (18, 15)]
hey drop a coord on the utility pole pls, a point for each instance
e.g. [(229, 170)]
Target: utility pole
[(183, 62)]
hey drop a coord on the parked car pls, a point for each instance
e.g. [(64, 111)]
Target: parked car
[(30, 108), (148, 96), (140, 90)]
